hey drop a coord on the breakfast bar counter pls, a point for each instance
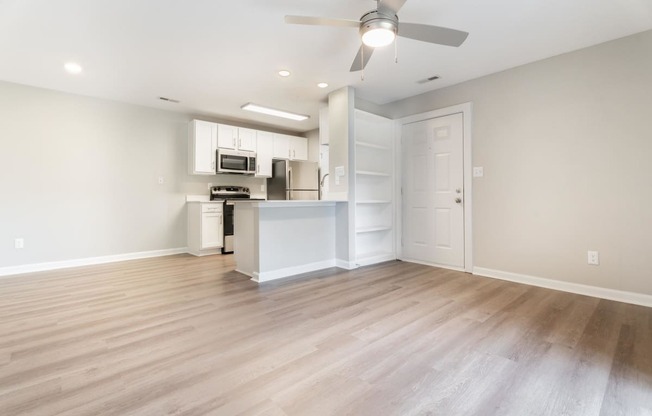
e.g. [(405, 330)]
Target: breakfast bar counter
[(276, 239)]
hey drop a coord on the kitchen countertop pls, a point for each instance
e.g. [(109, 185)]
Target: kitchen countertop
[(287, 204)]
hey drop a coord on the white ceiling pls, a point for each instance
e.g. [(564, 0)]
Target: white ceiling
[(215, 55)]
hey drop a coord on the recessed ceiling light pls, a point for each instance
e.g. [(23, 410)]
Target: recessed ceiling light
[(284, 73), (274, 112), (322, 85), (73, 68)]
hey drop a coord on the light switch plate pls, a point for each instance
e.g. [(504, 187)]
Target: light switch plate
[(339, 171), (478, 171)]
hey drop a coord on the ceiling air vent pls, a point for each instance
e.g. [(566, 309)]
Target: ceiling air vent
[(172, 100), (432, 78)]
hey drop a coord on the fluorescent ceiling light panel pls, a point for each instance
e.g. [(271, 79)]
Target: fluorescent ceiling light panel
[(274, 112), (322, 85), (284, 73)]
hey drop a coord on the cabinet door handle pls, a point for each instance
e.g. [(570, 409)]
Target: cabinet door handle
[(220, 220), (258, 168), (289, 154), (294, 153)]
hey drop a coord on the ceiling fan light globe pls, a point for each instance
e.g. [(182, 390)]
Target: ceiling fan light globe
[(378, 37)]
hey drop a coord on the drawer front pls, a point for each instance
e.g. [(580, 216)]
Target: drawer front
[(206, 208)]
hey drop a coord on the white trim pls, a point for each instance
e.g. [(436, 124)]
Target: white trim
[(441, 266), (344, 264), (594, 291), (89, 261), (291, 271), (467, 113)]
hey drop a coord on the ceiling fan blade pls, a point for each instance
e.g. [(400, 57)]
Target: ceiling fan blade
[(432, 34), (321, 21), (363, 53), (390, 7)]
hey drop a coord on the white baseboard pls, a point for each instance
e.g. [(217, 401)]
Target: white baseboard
[(347, 265), (594, 291), (291, 271), (89, 261), (425, 263)]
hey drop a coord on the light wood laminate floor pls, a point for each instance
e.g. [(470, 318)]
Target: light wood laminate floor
[(188, 336)]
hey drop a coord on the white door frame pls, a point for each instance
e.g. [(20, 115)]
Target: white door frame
[(466, 110)]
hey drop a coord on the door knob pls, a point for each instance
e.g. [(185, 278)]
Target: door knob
[(458, 200)]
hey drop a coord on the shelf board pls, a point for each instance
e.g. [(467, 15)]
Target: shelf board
[(372, 229), (374, 201), (370, 173), (371, 145)]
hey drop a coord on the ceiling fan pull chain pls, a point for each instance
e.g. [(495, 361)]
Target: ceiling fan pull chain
[(396, 50)]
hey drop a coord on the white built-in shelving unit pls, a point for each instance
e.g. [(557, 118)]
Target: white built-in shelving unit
[(374, 192)]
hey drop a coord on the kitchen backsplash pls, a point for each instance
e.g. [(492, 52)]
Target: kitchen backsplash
[(200, 184)]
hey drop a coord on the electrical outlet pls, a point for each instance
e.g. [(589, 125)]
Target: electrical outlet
[(209, 185), (262, 188), (593, 258), (161, 180), (19, 243), (478, 172)]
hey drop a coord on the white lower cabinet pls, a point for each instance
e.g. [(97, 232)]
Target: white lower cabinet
[(205, 228)]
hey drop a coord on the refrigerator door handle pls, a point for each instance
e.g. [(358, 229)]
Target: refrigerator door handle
[(290, 187)]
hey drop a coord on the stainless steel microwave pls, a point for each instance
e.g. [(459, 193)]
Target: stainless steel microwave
[(233, 161)]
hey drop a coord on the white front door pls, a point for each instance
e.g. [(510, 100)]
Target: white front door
[(433, 180)]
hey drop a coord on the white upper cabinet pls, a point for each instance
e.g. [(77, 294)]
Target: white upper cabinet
[(246, 139), (281, 146), (202, 144), (227, 137), (236, 138), (290, 147), (299, 148), (264, 154)]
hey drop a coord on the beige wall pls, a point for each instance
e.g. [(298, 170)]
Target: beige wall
[(79, 177), (566, 146)]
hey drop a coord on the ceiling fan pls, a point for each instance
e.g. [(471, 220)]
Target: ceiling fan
[(380, 27)]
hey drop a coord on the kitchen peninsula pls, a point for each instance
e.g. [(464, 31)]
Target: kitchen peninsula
[(277, 239)]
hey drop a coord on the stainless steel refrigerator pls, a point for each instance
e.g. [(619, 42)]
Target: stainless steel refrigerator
[(293, 180)]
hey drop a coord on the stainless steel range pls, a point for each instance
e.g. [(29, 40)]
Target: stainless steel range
[(229, 194)]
